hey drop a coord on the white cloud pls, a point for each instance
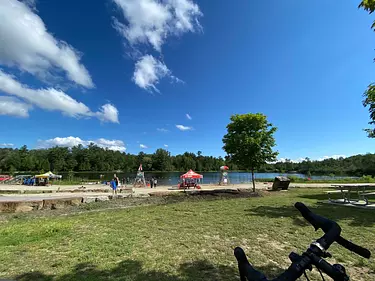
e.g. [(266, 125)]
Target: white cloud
[(6, 144), (30, 3), (152, 21), (301, 159), (166, 145), (148, 71), (143, 146), (54, 100), (163, 130), (31, 48), (336, 156), (297, 160), (188, 116), (184, 128), (108, 113), (116, 145), (13, 107)]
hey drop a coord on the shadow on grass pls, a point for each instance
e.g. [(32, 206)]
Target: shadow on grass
[(353, 216), (133, 270)]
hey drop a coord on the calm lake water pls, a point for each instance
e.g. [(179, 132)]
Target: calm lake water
[(172, 178)]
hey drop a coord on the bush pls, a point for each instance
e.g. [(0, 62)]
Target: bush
[(293, 178), (367, 178)]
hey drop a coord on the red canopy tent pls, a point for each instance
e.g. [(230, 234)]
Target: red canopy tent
[(191, 175), (190, 180)]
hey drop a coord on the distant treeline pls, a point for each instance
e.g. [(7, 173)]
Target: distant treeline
[(357, 165), (94, 158)]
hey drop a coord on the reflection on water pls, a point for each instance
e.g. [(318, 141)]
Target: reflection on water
[(172, 178)]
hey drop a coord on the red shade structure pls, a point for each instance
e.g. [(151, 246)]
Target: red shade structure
[(191, 175)]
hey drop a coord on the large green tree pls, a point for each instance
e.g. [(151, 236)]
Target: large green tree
[(249, 141), (161, 160), (369, 95)]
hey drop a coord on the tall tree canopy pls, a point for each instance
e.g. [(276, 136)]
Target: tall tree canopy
[(369, 95), (249, 141)]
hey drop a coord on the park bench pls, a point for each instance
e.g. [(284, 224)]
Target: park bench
[(344, 193), (348, 189), (365, 196)]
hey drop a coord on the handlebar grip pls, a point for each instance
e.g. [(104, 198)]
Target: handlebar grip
[(245, 268), (353, 247), (332, 231), (306, 213)]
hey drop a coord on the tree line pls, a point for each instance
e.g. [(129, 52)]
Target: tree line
[(357, 165), (94, 158)]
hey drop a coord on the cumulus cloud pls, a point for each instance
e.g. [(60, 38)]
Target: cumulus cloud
[(31, 48), (108, 113), (6, 144), (30, 3), (184, 128), (188, 116), (148, 71), (143, 146), (166, 145), (301, 159), (336, 156), (152, 21), (116, 145), (163, 130), (13, 107), (54, 100), (297, 160)]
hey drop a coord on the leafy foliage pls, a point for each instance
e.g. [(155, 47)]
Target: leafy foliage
[(250, 140), (94, 158), (369, 102), (369, 95)]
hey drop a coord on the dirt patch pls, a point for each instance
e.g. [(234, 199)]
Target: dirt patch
[(123, 203)]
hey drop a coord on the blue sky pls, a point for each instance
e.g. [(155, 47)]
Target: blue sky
[(125, 73)]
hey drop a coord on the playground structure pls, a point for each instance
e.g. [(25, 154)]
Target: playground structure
[(15, 180), (38, 180)]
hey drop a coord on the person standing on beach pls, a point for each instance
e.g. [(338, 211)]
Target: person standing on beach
[(113, 186), (117, 180), (155, 182)]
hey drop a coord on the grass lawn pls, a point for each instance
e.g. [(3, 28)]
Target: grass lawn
[(183, 241)]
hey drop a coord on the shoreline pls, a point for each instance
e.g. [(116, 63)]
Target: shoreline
[(18, 198)]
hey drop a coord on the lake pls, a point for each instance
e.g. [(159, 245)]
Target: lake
[(172, 178)]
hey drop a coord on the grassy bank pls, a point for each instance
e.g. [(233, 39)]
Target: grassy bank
[(183, 241)]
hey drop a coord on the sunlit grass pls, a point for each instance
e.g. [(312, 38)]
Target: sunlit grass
[(190, 240)]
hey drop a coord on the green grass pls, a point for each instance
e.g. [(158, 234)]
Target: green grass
[(183, 241)]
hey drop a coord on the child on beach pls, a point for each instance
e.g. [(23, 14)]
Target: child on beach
[(113, 186)]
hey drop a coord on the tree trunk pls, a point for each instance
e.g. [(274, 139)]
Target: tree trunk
[(252, 177)]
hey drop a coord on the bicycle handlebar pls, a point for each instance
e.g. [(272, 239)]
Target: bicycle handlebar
[(313, 256), (332, 231)]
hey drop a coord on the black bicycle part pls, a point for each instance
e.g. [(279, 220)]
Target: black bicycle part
[(313, 256)]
